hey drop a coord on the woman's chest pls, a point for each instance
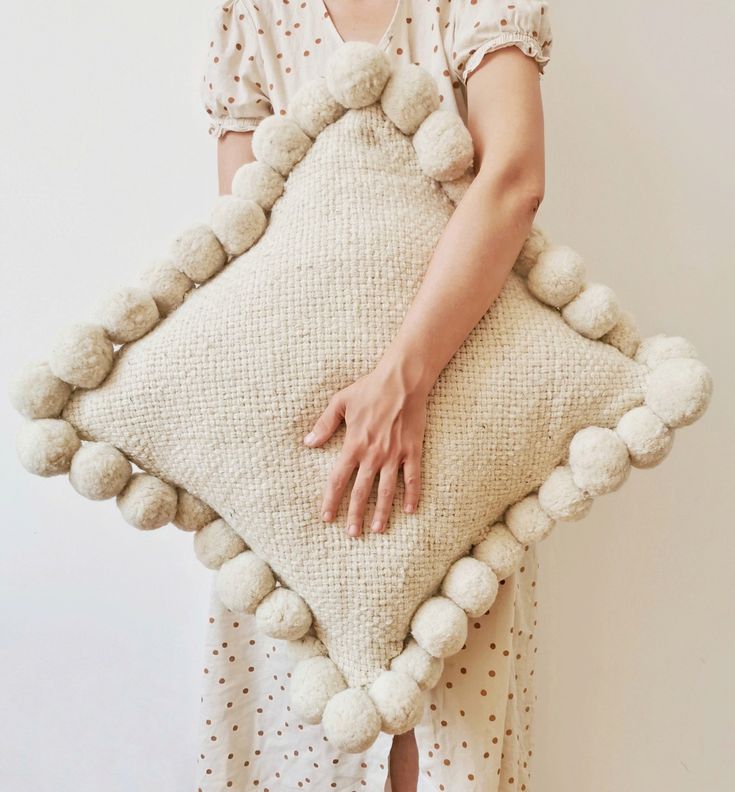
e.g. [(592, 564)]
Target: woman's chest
[(296, 40)]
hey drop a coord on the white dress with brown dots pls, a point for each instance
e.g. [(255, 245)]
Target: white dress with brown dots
[(476, 729), (475, 733), (260, 52)]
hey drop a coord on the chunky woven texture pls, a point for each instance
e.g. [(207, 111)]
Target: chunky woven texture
[(216, 399)]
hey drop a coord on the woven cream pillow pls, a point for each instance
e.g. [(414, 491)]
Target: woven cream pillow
[(546, 405)]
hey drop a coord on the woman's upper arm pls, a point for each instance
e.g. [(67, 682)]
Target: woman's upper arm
[(499, 51), (505, 119), (233, 150)]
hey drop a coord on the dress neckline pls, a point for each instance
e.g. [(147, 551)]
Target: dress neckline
[(382, 43)]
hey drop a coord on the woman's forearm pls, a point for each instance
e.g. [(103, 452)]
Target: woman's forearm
[(483, 237), (466, 273)]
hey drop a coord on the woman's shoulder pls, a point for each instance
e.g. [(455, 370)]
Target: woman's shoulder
[(476, 28)]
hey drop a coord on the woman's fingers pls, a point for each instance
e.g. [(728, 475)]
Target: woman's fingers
[(384, 503), (359, 497), (383, 434), (411, 482), (340, 476), (327, 423), (336, 483)]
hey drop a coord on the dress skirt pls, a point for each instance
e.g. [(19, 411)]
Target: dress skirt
[(476, 730)]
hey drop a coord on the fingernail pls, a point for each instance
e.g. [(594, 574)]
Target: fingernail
[(352, 530), (327, 515), (376, 526), (310, 438), (408, 508)]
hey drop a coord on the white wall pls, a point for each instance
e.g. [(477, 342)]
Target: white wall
[(636, 637), (105, 157)]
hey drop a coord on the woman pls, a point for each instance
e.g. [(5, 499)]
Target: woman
[(487, 59)]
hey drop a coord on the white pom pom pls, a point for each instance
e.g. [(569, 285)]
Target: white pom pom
[(558, 275), (256, 181), (351, 722), (398, 700), (146, 502), (191, 513), (535, 243), (561, 498), (624, 335), (314, 681), (167, 285), (599, 460), (470, 584), (127, 314), (357, 73), (46, 446), (82, 355), (99, 471), (439, 626), (655, 349), (238, 223), (593, 312), (456, 188), (313, 108), (216, 543), (443, 146), (243, 581), (500, 550), (646, 436), (527, 521), (424, 668), (198, 253), (306, 646), (678, 391), (37, 392), (280, 142), (409, 96), (283, 614)]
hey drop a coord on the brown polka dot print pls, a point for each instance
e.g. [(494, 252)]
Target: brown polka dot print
[(475, 733), (301, 36)]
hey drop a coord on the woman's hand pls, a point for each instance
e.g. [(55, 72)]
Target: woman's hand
[(385, 419)]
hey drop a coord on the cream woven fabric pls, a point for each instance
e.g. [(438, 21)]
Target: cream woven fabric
[(216, 399)]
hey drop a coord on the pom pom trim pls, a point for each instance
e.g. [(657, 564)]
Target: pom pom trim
[(528, 520)]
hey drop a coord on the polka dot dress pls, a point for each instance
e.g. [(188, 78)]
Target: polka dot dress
[(261, 51), (476, 728), (475, 732)]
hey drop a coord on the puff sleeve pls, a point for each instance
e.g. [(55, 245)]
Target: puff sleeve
[(233, 89), (477, 28)]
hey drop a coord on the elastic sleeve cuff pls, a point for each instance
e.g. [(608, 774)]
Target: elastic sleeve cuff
[(528, 44), (218, 126)]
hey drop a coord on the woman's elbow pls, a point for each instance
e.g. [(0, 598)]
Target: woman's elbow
[(518, 186), (529, 195)]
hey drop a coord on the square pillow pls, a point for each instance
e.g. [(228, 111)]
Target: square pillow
[(208, 375)]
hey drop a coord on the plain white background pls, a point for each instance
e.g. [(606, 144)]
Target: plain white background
[(106, 156)]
